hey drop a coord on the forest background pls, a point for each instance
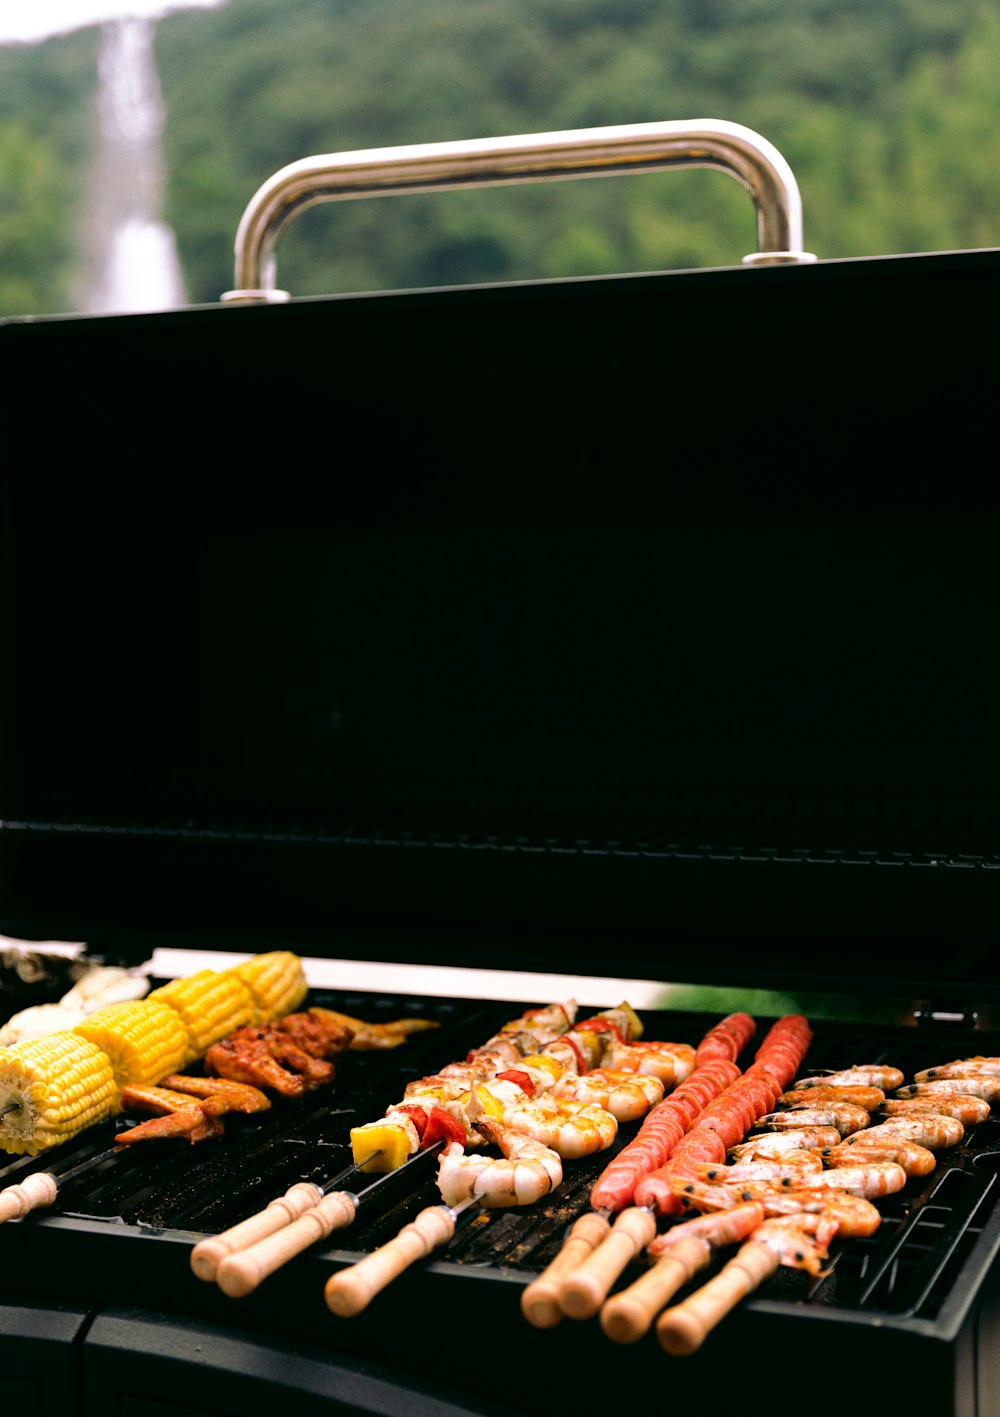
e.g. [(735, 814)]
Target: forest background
[(886, 110)]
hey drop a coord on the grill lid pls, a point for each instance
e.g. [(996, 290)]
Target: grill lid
[(617, 616)]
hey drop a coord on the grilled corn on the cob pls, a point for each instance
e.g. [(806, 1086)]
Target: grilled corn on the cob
[(210, 1004), (144, 1040), (277, 981), (50, 1089)]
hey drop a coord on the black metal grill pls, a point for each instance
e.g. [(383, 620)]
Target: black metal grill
[(123, 1232), (694, 675)]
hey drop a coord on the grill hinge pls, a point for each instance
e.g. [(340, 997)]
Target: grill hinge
[(946, 1015)]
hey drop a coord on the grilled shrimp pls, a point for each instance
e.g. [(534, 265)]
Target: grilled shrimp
[(572, 1129), (799, 1241), (861, 1075), (976, 1067), (866, 1097), (847, 1117), (931, 1129), (543, 1023), (627, 1096), (720, 1228), (983, 1086), (915, 1160), (781, 1143), (670, 1062), (784, 1170), (968, 1110), (868, 1178), (526, 1171), (855, 1215), (483, 1062)]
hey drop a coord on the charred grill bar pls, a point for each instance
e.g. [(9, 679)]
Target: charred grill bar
[(639, 625)]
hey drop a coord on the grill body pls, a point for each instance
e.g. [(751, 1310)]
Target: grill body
[(638, 625)]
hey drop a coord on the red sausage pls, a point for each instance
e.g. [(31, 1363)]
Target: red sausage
[(662, 1130)]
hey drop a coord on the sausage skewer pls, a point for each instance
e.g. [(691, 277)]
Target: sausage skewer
[(720, 1125), (540, 1300), (662, 1129)]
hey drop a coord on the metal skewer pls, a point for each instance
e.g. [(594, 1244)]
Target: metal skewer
[(41, 1188), (246, 1263), (352, 1290), (209, 1254)]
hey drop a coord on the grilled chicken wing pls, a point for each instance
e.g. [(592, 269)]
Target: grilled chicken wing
[(247, 1059)]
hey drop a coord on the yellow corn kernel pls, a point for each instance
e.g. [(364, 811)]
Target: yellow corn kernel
[(210, 1005), (381, 1146), (144, 1040), (276, 980), (58, 1085)]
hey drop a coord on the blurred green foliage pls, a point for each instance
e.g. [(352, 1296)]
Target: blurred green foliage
[(886, 113)]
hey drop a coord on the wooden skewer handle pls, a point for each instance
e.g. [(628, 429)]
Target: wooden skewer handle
[(540, 1301), (37, 1190), (626, 1316), (352, 1290), (583, 1293), (684, 1328), (240, 1273), (208, 1254)]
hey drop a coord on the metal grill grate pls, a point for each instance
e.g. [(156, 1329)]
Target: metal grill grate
[(906, 1271)]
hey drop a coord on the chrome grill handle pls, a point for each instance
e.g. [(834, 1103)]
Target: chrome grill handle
[(535, 157)]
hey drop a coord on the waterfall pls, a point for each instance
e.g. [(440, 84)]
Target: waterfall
[(133, 257)]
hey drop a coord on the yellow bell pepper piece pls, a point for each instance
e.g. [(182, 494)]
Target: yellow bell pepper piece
[(380, 1146)]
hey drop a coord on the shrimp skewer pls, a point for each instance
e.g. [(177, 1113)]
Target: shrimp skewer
[(679, 1253), (527, 1171), (856, 1215), (627, 1096), (671, 1063), (572, 1129), (439, 1098), (799, 1241)]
